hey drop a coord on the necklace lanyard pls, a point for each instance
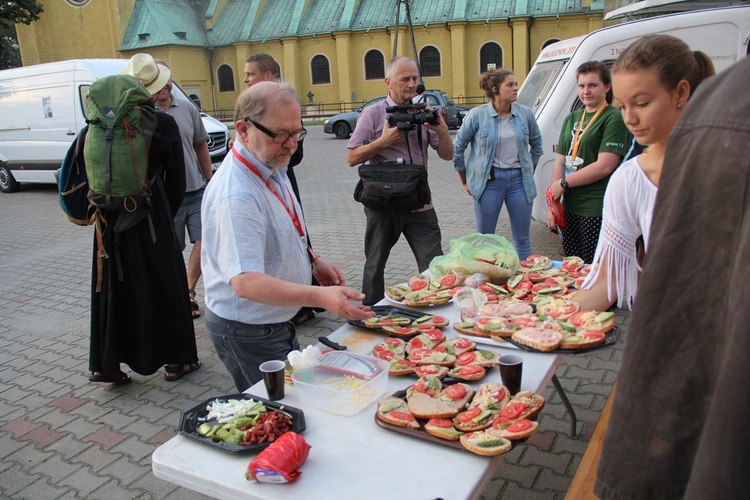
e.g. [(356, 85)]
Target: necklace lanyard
[(578, 137), (293, 215)]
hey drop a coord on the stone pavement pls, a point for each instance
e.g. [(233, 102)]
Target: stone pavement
[(63, 437)]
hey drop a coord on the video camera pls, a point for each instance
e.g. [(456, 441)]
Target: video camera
[(407, 117)]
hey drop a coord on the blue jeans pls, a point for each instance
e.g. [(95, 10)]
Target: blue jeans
[(506, 187), (242, 347)]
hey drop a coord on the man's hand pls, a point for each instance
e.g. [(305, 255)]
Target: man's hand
[(327, 274), (390, 135), (466, 188), (336, 299), (445, 147), (440, 126)]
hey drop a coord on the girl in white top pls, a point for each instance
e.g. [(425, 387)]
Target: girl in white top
[(652, 80)]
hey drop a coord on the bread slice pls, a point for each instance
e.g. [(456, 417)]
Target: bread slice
[(419, 282), (395, 411), (423, 406), (400, 331), (593, 320), (459, 345), (485, 443), (583, 339), (381, 321), (442, 428), (431, 386), (400, 366), (424, 341), (429, 357), (532, 403), (424, 298), (457, 395), (517, 429), (541, 339), (432, 321), (475, 418), (492, 396), (397, 292), (469, 329), (471, 372), (479, 357), (436, 371)]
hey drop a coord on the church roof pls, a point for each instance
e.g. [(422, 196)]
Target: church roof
[(175, 22)]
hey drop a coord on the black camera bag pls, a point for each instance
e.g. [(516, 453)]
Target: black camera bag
[(393, 187)]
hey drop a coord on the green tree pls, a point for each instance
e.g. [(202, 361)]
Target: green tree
[(11, 12)]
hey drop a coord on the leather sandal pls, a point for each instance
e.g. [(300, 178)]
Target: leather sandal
[(176, 372)]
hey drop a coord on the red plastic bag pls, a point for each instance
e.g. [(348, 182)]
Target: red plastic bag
[(279, 462), (556, 208)]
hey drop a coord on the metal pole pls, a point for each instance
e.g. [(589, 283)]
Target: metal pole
[(413, 43), (395, 36)]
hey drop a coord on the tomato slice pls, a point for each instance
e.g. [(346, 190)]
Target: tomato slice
[(468, 371), (462, 343), (455, 290), (393, 342), (456, 391), (523, 321), (435, 334), (383, 353), (468, 415), (579, 318), (419, 354), (592, 334), (513, 411), (443, 423), (448, 280), (438, 319), (418, 285), (440, 348), (427, 370), (466, 358), (416, 343), (402, 415), (500, 395), (485, 288), (519, 425)]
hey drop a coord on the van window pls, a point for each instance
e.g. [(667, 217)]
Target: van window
[(539, 82), (448, 100)]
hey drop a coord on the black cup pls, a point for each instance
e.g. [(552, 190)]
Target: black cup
[(273, 378), (511, 367)]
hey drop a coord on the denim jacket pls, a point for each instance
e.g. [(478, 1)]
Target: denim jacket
[(480, 129)]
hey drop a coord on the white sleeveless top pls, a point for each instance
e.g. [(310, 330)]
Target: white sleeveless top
[(627, 214)]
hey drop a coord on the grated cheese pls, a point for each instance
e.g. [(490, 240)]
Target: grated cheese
[(347, 383)]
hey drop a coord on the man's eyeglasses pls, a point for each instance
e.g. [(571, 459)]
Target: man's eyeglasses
[(280, 138)]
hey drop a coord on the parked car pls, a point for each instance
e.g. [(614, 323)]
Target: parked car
[(341, 125), (460, 113)]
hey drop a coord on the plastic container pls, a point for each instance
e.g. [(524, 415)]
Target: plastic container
[(342, 385)]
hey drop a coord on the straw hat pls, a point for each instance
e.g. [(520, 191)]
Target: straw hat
[(151, 75)]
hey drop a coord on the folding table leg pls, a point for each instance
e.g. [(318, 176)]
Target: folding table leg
[(566, 402)]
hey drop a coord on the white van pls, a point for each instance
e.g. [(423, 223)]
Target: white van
[(43, 107), (550, 89)]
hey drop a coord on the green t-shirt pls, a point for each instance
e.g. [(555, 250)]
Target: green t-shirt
[(607, 134)]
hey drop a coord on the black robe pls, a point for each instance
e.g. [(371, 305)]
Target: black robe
[(144, 320)]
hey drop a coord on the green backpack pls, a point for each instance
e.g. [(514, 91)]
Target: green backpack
[(116, 149)]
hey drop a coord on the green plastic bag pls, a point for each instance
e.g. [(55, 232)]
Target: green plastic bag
[(489, 254)]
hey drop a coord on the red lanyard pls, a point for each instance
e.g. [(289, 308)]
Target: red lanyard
[(292, 215)]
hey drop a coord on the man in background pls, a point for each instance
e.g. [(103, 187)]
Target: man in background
[(376, 141)]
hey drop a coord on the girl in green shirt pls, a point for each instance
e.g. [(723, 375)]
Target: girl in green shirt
[(591, 145)]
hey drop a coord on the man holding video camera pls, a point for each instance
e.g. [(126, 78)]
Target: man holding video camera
[(401, 140)]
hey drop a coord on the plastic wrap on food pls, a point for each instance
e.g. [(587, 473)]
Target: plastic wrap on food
[(279, 462)]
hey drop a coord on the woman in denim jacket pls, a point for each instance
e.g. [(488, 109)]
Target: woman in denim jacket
[(505, 147)]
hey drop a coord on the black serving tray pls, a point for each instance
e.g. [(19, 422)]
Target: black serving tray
[(391, 310), (193, 418)]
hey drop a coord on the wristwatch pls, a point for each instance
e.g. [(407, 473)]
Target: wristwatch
[(564, 184)]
